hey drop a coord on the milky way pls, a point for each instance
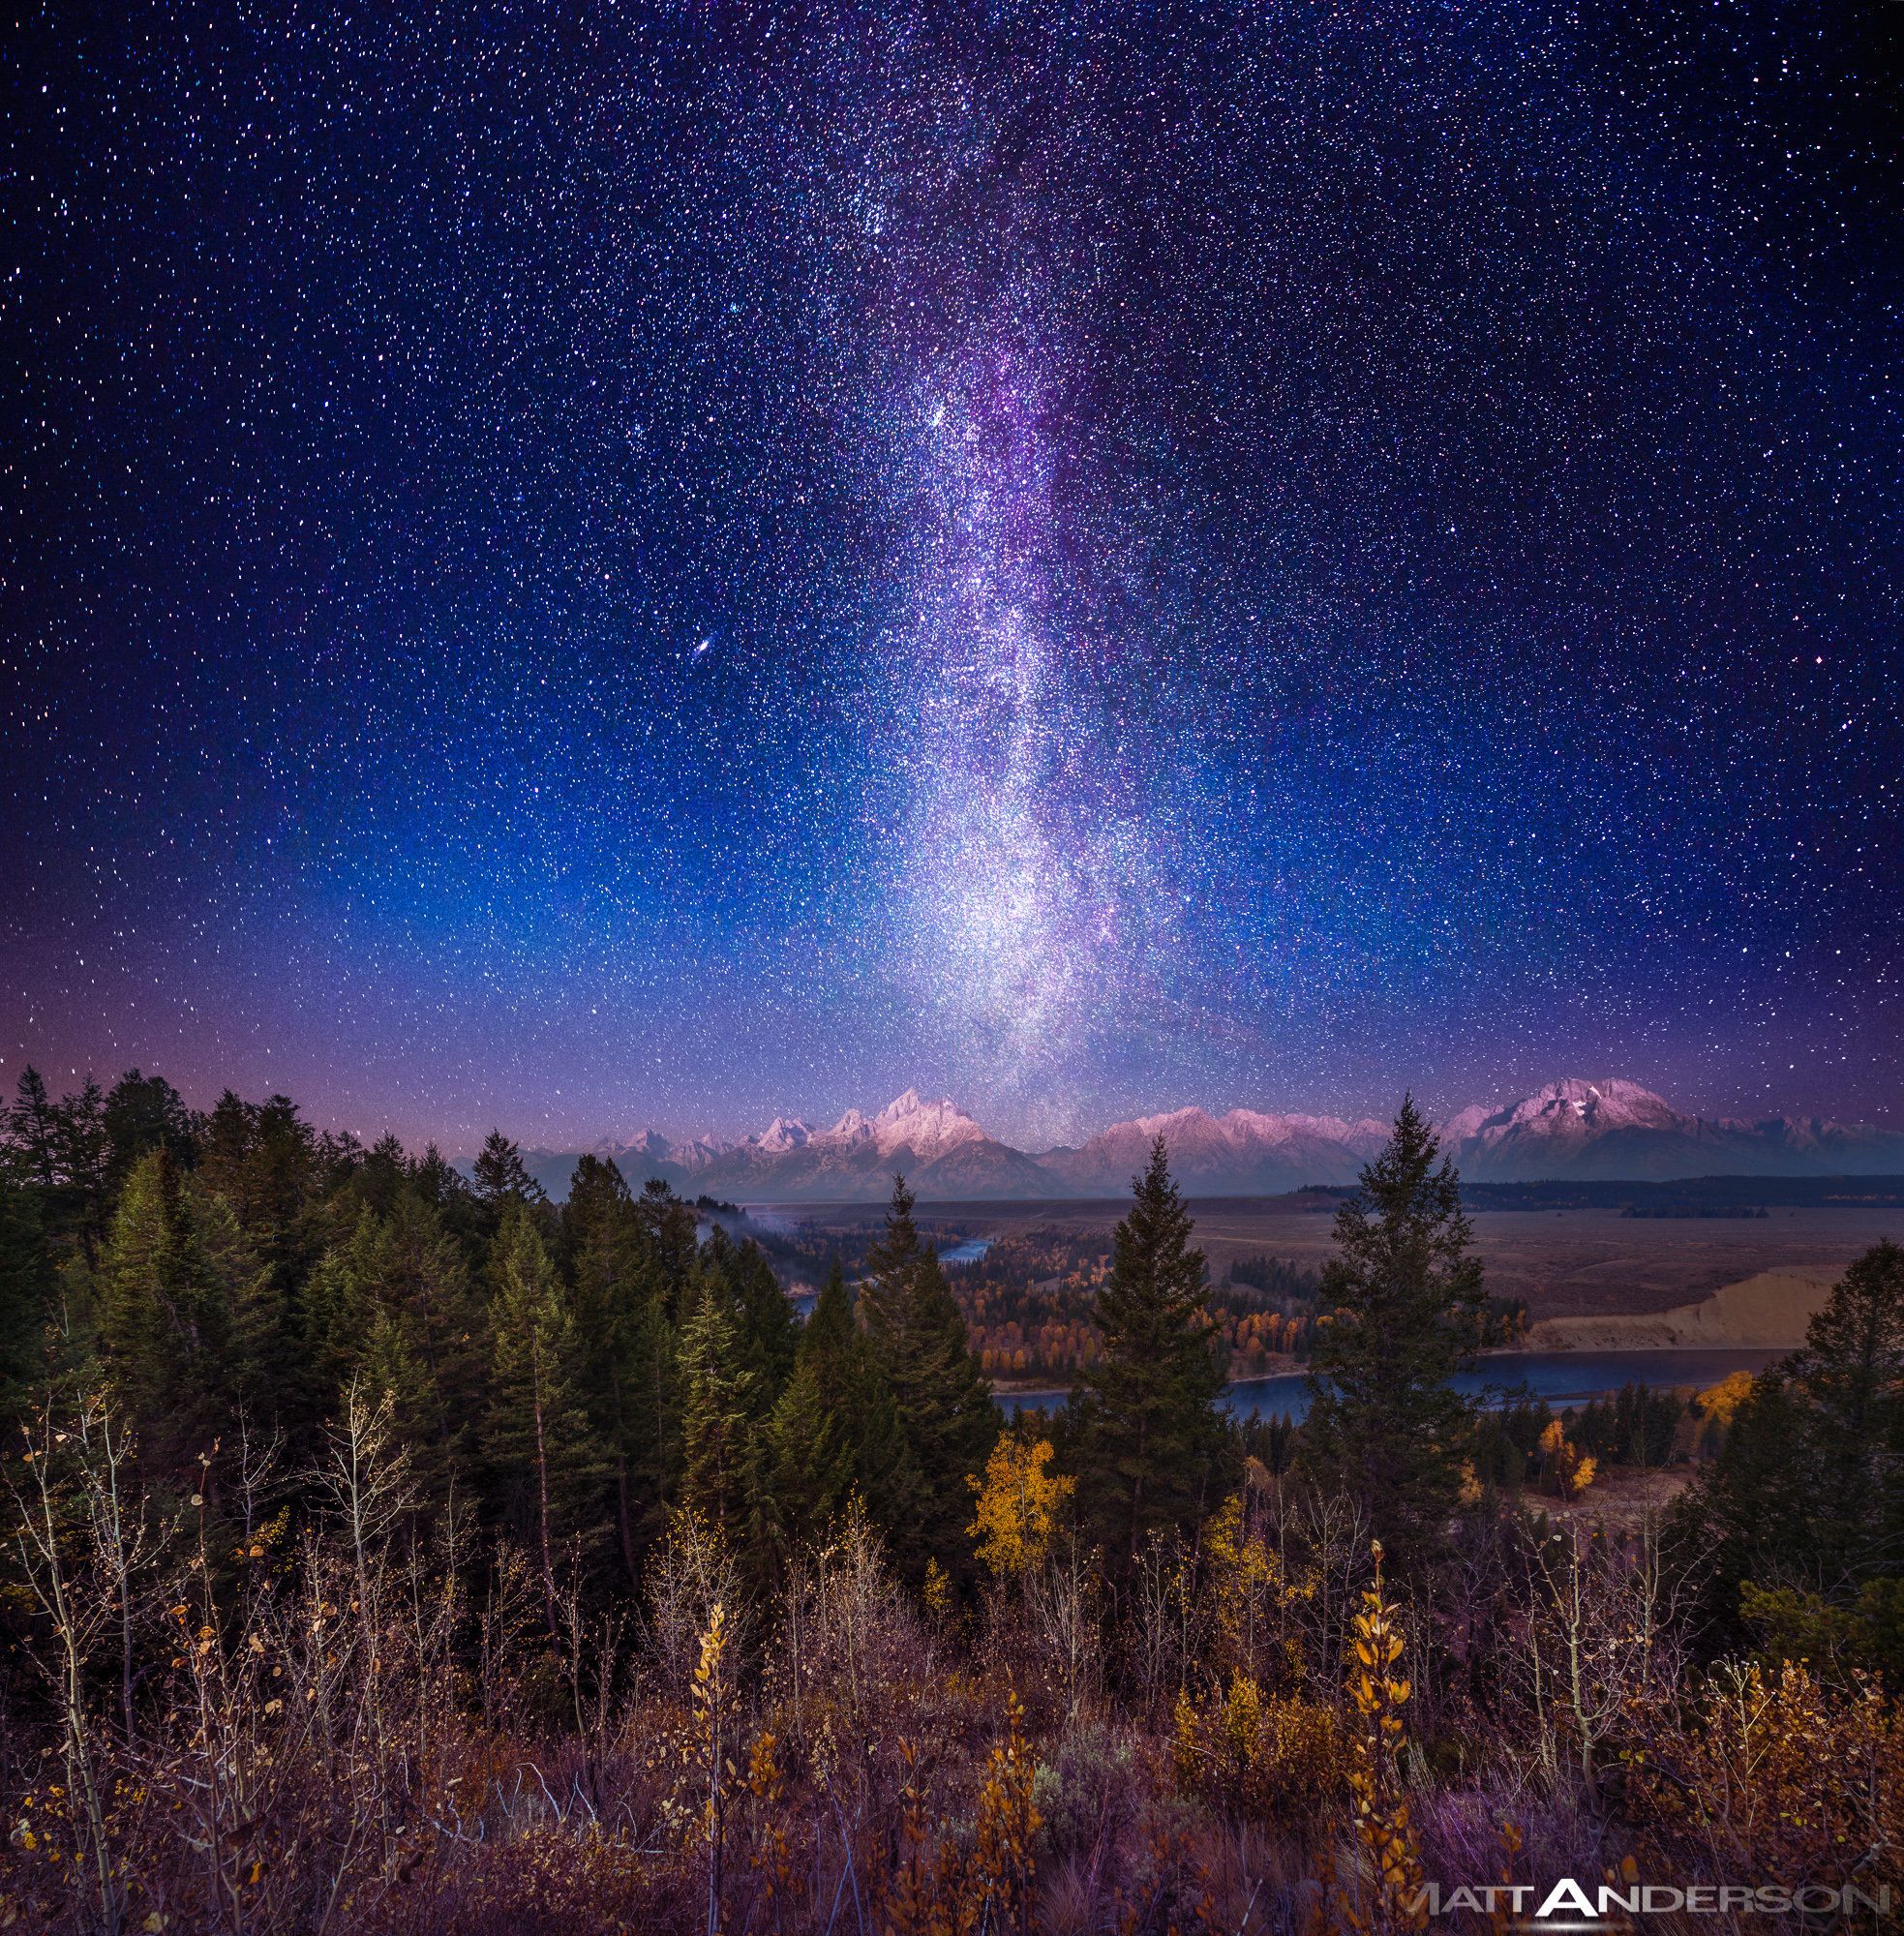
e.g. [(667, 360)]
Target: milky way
[(664, 568)]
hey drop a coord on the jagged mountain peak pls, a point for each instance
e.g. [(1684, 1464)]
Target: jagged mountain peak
[(1610, 1128)]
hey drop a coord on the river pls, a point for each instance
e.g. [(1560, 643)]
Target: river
[(1560, 1377)]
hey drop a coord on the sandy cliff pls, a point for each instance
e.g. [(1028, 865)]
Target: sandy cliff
[(1772, 1309)]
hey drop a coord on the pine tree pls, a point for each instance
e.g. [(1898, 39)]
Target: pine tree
[(809, 1460), (84, 1145), (1852, 1370), (500, 1176), (224, 1149), (381, 1176), (675, 1242), (143, 1113), (1808, 1490), (436, 1181), (720, 1415), (855, 1397), (339, 1310), (1404, 1296), (946, 1421), (186, 1306), (33, 1129), (770, 1334), (390, 1303), (26, 1292), (1150, 1432), (536, 1435), (629, 1382), (833, 1428)]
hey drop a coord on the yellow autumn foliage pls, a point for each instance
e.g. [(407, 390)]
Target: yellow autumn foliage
[(1020, 1503), (1721, 1402), (1258, 1756), (1574, 1470)]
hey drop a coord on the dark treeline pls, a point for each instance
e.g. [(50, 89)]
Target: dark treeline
[(395, 1552), (574, 1373)]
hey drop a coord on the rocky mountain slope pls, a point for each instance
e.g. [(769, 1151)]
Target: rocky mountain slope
[(1611, 1129)]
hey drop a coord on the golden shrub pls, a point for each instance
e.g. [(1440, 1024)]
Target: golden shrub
[(1264, 1757), (1776, 1777)]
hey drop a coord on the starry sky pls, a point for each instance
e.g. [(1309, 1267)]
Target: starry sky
[(603, 567)]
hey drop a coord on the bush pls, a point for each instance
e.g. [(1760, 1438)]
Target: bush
[(1261, 1757)]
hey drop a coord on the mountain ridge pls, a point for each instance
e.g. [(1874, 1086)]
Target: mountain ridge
[(1611, 1130)]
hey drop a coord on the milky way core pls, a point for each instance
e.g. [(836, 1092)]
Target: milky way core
[(684, 564)]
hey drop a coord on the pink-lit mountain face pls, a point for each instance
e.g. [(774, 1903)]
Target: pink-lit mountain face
[(1617, 1129), (942, 1151), (1609, 1130)]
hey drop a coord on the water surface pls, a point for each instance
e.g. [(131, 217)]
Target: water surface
[(1560, 1377)]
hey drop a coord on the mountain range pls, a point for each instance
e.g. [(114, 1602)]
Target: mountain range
[(1608, 1130)]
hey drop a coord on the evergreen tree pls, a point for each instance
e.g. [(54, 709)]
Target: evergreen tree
[(390, 1303), (1807, 1490), (339, 1310), (943, 1406), (835, 1429), (26, 1292), (1405, 1297), (675, 1242), (769, 1333), (1150, 1432), (548, 1467), (501, 1177), (436, 1181), (223, 1148), (33, 1130), (809, 1459), (381, 1176), (85, 1146), (185, 1305), (720, 1416), (853, 1393), (143, 1113), (629, 1382)]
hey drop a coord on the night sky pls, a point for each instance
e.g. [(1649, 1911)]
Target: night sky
[(672, 566)]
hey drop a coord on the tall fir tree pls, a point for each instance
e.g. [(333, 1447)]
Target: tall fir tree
[(942, 1402), (418, 1337), (26, 1293), (721, 1416), (674, 1241), (186, 1309), (769, 1331), (1150, 1435), (142, 1114), (809, 1460), (629, 1370), (544, 1457), (1404, 1299), (339, 1310), (33, 1130), (84, 1143), (836, 1431), (1807, 1490), (500, 1176)]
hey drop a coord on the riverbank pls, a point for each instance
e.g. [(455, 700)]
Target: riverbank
[(1769, 1310), (1560, 1378)]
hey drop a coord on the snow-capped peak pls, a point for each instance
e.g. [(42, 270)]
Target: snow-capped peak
[(926, 1128), (1614, 1104)]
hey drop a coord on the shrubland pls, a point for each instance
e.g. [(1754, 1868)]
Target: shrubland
[(388, 1553)]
